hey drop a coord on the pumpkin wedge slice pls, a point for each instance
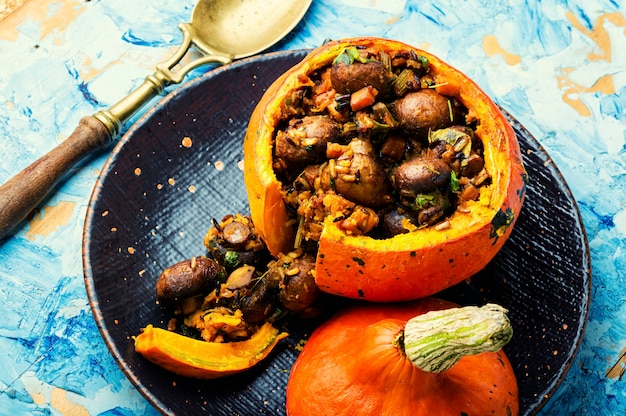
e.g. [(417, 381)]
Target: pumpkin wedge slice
[(205, 360)]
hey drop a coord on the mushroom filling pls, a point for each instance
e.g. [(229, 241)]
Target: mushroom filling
[(369, 141), (228, 295)]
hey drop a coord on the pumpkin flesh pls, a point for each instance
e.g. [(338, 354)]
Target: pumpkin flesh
[(350, 366), (405, 266), (205, 360)]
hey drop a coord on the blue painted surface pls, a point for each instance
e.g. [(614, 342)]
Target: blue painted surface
[(558, 66)]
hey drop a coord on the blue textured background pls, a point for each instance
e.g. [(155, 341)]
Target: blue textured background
[(558, 66)]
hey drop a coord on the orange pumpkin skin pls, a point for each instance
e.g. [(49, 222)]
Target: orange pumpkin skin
[(205, 360), (406, 266), (350, 366)]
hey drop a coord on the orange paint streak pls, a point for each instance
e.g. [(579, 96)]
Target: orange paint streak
[(9, 6), (53, 16), (492, 47), (52, 218), (573, 90), (604, 83), (60, 401), (89, 72), (598, 34)]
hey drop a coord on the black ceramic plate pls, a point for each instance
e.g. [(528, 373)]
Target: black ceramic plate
[(180, 166)]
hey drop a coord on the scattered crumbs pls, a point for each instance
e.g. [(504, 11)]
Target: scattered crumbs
[(171, 181), (159, 186), (565, 326), (137, 171), (240, 165), (113, 229), (142, 272), (181, 233), (131, 250), (173, 384), (555, 352), (219, 165), (300, 345), (105, 213), (116, 322), (187, 141), (191, 189)]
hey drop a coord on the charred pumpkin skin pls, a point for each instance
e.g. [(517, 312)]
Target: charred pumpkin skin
[(350, 366), (406, 266)]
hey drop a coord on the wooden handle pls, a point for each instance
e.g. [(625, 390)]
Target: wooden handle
[(22, 193)]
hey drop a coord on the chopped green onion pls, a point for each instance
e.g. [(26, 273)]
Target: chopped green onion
[(423, 60), (423, 200), (454, 182), (231, 259), (349, 55)]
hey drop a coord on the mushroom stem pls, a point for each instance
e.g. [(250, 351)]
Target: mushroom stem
[(436, 340)]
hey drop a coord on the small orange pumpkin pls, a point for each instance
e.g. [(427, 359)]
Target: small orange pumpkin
[(407, 266), (357, 363), (205, 360)]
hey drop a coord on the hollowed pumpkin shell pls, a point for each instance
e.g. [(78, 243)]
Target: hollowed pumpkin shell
[(406, 266)]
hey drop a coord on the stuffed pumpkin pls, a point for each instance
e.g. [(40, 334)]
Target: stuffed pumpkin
[(393, 169)]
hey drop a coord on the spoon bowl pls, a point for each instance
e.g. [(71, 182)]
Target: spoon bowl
[(222, 30), (243, 28)]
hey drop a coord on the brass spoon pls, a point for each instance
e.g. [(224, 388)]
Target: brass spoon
[(222, 30)]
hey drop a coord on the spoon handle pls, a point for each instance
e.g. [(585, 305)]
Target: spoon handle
[(24, 191), (21, 194)]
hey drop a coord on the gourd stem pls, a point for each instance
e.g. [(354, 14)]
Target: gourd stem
[(436, 340)]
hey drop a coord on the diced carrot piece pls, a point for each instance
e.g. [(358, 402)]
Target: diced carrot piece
[(362, 98)]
